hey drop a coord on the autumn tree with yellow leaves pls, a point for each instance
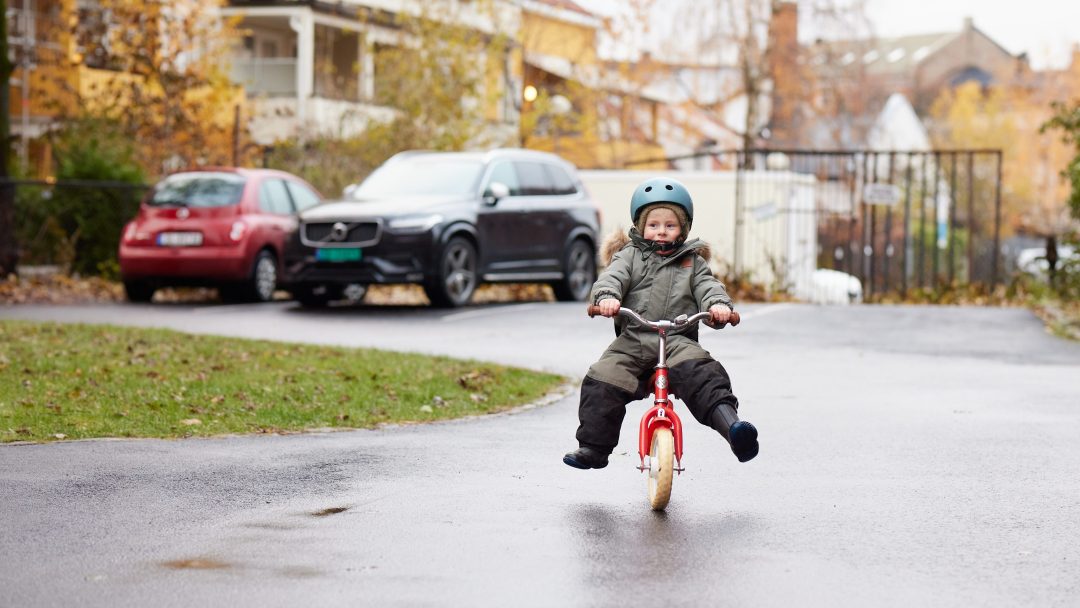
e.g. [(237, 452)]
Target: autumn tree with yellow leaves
[(968, 117), (1065, 123), (1022, 119), (158, 71), (1034, 195)]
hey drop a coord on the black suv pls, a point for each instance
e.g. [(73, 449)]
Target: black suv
[(450, 221)]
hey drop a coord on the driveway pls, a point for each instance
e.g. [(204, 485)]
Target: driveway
[(910, 456)]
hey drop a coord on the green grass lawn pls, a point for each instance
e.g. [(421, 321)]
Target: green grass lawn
[(62, 381)]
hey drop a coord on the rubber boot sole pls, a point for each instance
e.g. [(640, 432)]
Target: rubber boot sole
[(744, 441), (578, 464)]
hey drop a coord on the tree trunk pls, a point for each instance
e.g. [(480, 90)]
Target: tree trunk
[(1051, 260), (9, 249)]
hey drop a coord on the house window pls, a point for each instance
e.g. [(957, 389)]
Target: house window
[(971, 74)]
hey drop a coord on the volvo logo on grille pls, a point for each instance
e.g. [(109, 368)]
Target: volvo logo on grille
[(339, 232)]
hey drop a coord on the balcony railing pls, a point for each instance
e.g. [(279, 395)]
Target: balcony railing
[(273, 77)]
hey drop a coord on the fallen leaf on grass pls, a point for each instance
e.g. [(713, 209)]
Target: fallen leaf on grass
[(190, 421), (474, 379)]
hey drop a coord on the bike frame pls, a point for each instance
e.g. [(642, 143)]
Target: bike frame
[(662, 413)]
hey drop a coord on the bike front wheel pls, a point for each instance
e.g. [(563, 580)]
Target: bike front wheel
[(661, 468)]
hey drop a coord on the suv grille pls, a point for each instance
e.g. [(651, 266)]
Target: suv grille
[(352, 234)]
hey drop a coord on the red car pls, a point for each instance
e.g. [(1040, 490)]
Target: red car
[(213, 227)]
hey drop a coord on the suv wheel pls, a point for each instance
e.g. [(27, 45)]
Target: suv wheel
[(317, 296), (138, 291), (455, 279), (579, 273)]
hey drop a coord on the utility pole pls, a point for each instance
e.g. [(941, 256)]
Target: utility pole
[(9, 249)]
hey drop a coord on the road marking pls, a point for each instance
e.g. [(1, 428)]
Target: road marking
[(469, 314)]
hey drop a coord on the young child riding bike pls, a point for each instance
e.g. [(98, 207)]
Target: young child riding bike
[(656, 272)]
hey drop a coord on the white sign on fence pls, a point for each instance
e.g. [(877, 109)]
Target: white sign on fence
[(881, 194)]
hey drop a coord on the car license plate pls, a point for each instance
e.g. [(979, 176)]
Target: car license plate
[(342, 254), (180, 239)]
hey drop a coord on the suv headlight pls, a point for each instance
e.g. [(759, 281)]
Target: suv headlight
[(413, 224)]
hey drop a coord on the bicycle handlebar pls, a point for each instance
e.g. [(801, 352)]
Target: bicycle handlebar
[(679, 321)]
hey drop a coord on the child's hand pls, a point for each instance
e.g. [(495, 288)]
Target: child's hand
[(719, 314), (609, 307)]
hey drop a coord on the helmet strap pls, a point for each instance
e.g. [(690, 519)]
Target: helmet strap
[(667, 247), (659, 247)]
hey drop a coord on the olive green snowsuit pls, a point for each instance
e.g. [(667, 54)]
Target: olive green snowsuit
[(656, 287)]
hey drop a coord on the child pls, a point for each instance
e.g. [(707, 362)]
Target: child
[(658, 274)]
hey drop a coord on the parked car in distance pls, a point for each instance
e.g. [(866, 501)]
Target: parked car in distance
[(450, 221), (215, 227)]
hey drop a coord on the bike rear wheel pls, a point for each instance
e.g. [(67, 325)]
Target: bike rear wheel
[(661, 468)]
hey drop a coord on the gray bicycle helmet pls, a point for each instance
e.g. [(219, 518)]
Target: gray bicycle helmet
[(661, 190)]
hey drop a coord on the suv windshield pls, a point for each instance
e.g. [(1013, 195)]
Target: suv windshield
[(421, 176), (198, 189)]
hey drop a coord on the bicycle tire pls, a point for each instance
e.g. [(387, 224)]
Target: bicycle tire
[(661, 468)]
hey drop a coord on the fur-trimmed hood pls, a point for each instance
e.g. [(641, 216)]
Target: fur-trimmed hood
[(654, 285), (616, 240)]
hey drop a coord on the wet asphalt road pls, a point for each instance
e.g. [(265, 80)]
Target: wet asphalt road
[(910, 456)]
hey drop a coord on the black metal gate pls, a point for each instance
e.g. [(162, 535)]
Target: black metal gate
[(899, 219)]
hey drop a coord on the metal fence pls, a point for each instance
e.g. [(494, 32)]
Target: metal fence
[(74, 224)]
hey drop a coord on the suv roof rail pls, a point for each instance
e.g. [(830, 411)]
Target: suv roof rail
[(405, 153), (487, 155), (523, 152)]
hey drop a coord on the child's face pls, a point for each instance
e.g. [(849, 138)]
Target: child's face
[(662, 225)]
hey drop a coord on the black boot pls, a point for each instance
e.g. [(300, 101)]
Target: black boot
[(740, 434), (586, 458)]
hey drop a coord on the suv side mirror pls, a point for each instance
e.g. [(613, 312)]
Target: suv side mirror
[(495, 192)]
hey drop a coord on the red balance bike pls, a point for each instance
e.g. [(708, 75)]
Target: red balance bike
[(660, 438)]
